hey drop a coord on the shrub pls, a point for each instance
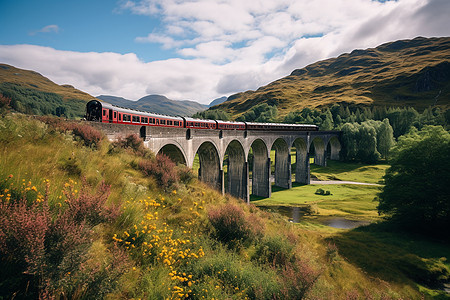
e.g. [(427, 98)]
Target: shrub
[(298, 278), (86, 133), (332, 252), (275, 250), (132, 142), (4, 103), (319, 192), (322, 192), (185, 174), (162, 169), (88, 208), (237, 278), (232, 226), (40, 246)]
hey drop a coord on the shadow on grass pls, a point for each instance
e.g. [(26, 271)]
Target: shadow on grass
[(274, 190), (382, 250), (338, 167)]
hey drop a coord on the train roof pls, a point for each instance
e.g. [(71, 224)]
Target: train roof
[(280, 124), (231, 122), (188, 119), (130, 110)]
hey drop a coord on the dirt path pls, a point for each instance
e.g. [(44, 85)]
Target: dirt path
[(341, 182)]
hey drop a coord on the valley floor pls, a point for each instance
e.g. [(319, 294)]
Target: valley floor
[(348, 220)]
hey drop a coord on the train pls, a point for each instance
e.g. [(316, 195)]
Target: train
[(108, 113)]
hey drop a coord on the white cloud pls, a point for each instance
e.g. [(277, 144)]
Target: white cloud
[(229, 46), (46, 29)]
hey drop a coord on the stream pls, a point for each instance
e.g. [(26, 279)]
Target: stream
[(295, 215)]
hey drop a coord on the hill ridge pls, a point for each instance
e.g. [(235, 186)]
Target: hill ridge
[(400, 73)]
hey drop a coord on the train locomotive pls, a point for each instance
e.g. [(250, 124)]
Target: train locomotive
[(107, 113)]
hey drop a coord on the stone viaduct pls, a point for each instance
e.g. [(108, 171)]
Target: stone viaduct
[(243, 154)]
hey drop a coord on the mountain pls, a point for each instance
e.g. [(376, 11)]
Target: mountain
[(218, 101), (32, 93), (158, 104), (402, 73)]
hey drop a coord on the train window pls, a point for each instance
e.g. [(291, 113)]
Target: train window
[(177, 123), (135, 119), (120, 117), (163, 122), (104, 112), (115, 115)]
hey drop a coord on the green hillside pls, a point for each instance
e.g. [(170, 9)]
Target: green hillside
[(403, 73), (83, 218), (32, 93)]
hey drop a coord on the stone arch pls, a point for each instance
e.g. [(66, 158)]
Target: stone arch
[(282, 163), (302, 172), (209, 170), (260, 169), (237, 170), (319, 151), (335, 148), (143, 132), (174, 153)]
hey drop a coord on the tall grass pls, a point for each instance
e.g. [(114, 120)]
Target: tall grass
[(119, 234)]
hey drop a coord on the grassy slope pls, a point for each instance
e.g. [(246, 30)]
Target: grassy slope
[(410, 72), (30, 151), (34, 80), (379, 249), (357, 172)]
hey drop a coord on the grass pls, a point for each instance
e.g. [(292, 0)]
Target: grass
[(410, 263), (402, 258), (353, 201), (344, 171), (30, 150)]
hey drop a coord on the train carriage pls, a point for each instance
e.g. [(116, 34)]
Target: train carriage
[(108, 113), (228, 125), (280, 126), (199, 123)]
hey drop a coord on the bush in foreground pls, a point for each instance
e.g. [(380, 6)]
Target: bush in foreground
[(45, 249), (162, 169), (233, 227)]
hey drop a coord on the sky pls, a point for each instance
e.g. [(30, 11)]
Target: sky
[(198, 49)]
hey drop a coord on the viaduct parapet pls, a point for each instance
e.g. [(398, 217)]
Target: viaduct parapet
[(245, 155)]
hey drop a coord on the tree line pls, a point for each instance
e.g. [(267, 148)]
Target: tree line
[(369, 133), (34, 102)]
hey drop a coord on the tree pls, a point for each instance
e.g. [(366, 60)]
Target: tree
[(385, 138), (359, 141), (327, 123), (416, 191)]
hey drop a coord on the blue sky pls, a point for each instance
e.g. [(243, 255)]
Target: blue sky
[(198, 49), (84, 26)]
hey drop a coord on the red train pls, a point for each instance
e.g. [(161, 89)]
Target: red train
[(107, 113)]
